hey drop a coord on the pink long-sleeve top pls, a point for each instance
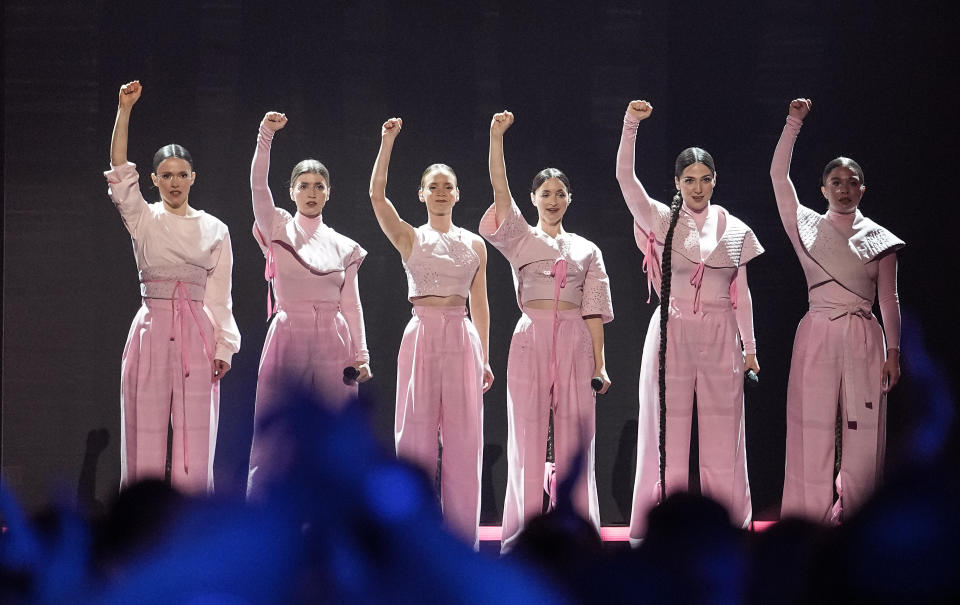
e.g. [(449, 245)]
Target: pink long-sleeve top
[(711, 248), (172, 250), (837, 261), (440, 264), (307, 261), (533, 254)]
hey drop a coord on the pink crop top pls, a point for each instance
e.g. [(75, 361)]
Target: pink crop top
[(440, 264), (532, 255)]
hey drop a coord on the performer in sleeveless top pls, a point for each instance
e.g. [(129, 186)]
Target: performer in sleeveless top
[(841, 354), (443, 366), (701, 342), (318, 328), (183, 337), (557, 346)]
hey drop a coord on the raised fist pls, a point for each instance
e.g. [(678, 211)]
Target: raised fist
[(799, 108), (130, 93), (639, 110), (501, 122), (274, 120), (391, 128)]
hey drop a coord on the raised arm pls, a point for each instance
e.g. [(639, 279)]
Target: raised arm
[(783, 189), (480, 310), (129, 95), (498, 165), (263, 205), (397, 231), (639, 203)]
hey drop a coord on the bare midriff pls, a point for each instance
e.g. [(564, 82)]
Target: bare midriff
[(454, 300), (547, 304)]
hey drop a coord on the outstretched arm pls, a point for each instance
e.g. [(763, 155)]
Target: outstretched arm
[(397, 231), (783, 189), (639, 203), (263, 205), (129, 95), (498, 165)]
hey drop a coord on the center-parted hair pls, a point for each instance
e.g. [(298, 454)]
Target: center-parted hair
[(837, 163), (687, 157), (550, 173), (172, 151), (436, 168), (309, 166)]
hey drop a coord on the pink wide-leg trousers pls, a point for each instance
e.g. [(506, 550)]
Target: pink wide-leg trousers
[(307, 347), (166, 377), (704, 356), (838, 357), (440, 388), (529, 384)]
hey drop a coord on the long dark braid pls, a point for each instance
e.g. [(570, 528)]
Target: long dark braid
[(665, 272), (690, 155)]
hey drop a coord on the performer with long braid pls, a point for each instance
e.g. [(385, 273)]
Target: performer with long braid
[(442, 366), (557, 346), (841, 354), (702, 341), (184, 336), (318, 329)]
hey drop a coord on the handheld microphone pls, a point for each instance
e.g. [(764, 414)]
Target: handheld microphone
[(751, 379), (350, 375), (596, 383)]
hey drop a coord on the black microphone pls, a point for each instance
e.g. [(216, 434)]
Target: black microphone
[(751, 379), (596, 383), (350, 375)]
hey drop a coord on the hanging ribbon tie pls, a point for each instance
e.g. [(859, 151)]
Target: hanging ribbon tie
[(696, 281), (559, 275), (651, 264), (269, 272)]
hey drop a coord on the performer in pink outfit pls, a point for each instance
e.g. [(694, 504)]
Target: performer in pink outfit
[(841, 355), (701, 342), (318, 328), (443, 366), (557, 346), (184, 336)]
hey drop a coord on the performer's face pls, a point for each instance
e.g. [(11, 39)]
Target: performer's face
[(843, 190), (174, 178), (310, 192), (551, 199), (696, 185), (439, 192)]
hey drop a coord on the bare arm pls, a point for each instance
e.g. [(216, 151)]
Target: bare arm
[(129, 95), (783, 189), (397, 231), (480, 310), (595, 326), (498, 165)]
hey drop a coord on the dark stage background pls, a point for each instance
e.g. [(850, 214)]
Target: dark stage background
[(719, 74)]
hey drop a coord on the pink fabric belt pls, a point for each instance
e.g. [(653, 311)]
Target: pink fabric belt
[(446, 314), (849, 313)]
